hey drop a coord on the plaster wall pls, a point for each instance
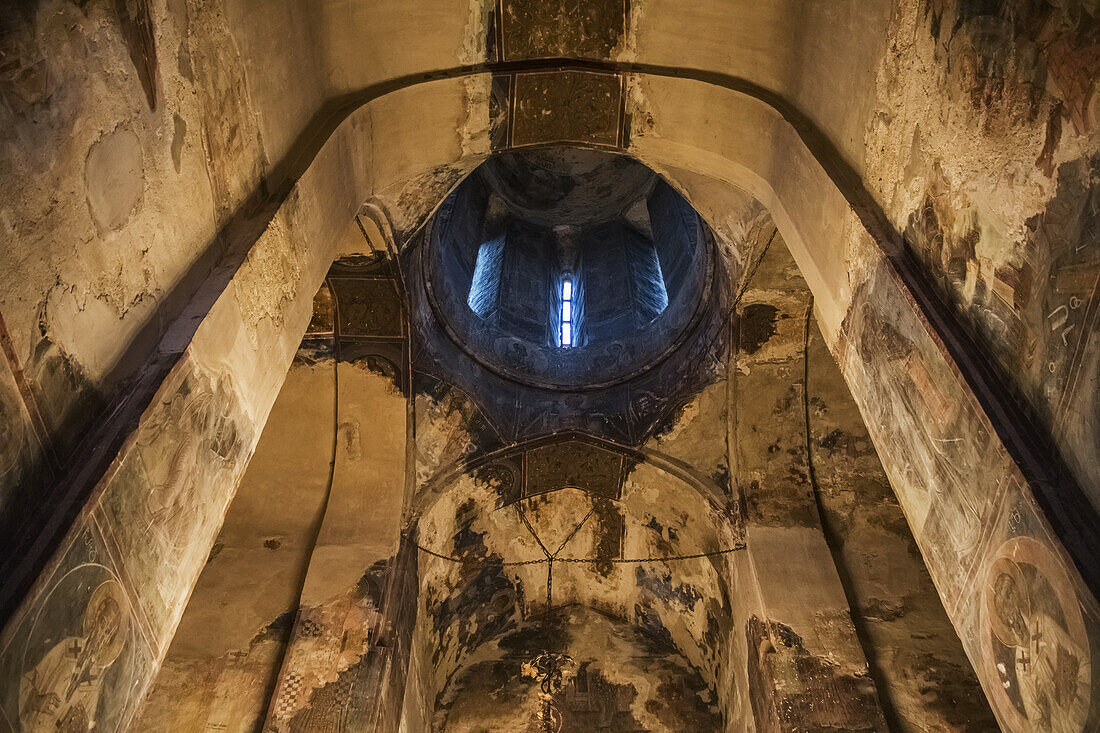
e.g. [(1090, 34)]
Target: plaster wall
[(225, 366), (224, 658), (824, 228), (344, 633)]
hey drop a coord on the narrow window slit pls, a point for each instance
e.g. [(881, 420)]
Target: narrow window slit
[(566, 320)]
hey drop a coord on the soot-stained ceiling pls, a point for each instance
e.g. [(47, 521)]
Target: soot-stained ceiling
[(573, 547), (178, 176), (550, 542), (572, 302)]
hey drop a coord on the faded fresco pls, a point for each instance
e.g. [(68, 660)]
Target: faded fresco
[(1033, 636), (75, 662), (960, 517), (511, 531), (86, 643), (620, 680), (170, 491), (110, 111), (984, 151), (707, 538)]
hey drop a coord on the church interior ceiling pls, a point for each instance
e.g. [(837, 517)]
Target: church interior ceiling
[(549, 366)]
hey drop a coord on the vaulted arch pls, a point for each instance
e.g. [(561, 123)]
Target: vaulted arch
[(989, 476)]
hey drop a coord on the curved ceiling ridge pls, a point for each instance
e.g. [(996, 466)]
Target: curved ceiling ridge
[(1046, 472), (435, 486), (523, 223)]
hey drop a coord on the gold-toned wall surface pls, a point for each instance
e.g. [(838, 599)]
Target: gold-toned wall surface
[(176, 178), (223, 662)]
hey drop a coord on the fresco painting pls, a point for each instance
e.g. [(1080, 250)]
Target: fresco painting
[(171, 490), (80, 654)]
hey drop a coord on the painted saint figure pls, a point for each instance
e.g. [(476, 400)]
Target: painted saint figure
[(62, 692), (200, 418), (1036, 641)]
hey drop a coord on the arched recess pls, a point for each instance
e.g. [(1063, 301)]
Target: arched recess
[(961, 458), (147, 501), (544, 546), (918, 385)]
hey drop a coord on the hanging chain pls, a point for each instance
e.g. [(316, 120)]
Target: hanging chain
[(593, 560)]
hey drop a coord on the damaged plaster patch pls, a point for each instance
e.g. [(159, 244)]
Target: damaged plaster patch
[(639, 110), (474, 132), (757, 326), (636, 11), (476, 34), (624, 681), (794, 689), (350, 439), (989, 162), (178, 136), (114, 179), (410, 203), (268, 279), (329, 650)]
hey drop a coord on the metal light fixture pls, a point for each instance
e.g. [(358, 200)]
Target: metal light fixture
[(553, 671)]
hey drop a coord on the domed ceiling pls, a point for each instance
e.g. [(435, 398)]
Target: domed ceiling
[(560, 271), (567, 268)]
